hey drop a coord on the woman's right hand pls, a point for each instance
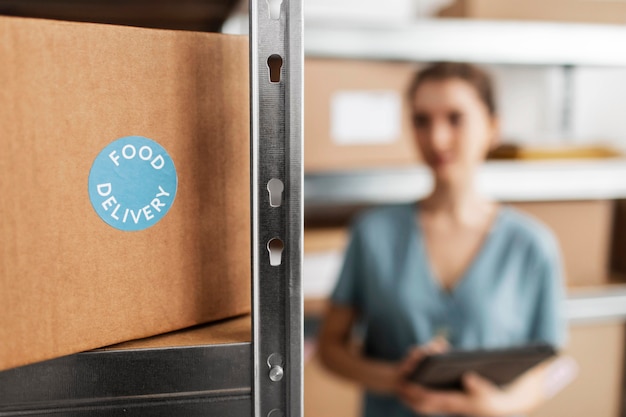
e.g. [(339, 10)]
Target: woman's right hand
[(416, 355)]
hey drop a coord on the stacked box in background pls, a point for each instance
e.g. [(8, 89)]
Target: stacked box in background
[(338, 134), (595, 11), (69, 281)]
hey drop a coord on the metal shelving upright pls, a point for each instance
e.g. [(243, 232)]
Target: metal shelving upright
[(262, 378)]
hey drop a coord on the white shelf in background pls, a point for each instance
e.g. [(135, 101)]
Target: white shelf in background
[(599, 304), (502, 180), (498, 42)]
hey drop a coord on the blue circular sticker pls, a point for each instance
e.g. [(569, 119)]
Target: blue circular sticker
[(132, 183)]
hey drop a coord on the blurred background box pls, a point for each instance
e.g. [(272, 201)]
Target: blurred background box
[(598, 348), (583, 229), (70, 282), (587, 11), (517, 152), (356, 114)]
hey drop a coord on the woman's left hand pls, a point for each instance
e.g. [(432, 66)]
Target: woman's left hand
[(480, 398)]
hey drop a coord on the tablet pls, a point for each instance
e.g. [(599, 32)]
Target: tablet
[(500, 366)]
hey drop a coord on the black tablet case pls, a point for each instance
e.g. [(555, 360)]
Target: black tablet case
[(501, 366)]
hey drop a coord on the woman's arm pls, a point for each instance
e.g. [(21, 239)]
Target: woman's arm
[(338, 353)]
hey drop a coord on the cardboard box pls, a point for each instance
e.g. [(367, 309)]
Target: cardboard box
[(325, 239), (355, 115), (594, 11), (234, 330), (597, 348), (599, 351), (328, 395), (71, 280), (583, 229)]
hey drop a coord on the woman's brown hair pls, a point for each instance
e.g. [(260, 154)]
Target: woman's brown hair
[(473, 75)]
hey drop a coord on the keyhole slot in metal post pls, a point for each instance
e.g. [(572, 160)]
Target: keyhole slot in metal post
[(274, 360), (275, 247), (275, 65), (274, 7), (275, 187)]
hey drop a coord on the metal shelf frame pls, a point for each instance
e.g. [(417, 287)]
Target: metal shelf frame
[(186, 381), (262, 378), (277, 146)]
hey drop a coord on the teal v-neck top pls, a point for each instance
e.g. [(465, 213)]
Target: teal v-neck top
[(510, 295)]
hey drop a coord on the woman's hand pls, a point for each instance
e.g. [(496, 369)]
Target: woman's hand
[(407, 365), (482, 398), (479, 398), (413, 357)]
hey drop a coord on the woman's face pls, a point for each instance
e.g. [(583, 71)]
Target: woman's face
[(452, 127)]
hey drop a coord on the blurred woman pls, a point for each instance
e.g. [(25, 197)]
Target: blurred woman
[(454, 270)]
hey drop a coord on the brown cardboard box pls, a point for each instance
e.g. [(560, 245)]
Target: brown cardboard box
[(234, 330), (324, 80), (597, 391), (583, 229), (69, 281), (595, 11), (325, 239), (597, 348), (328, 395)]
